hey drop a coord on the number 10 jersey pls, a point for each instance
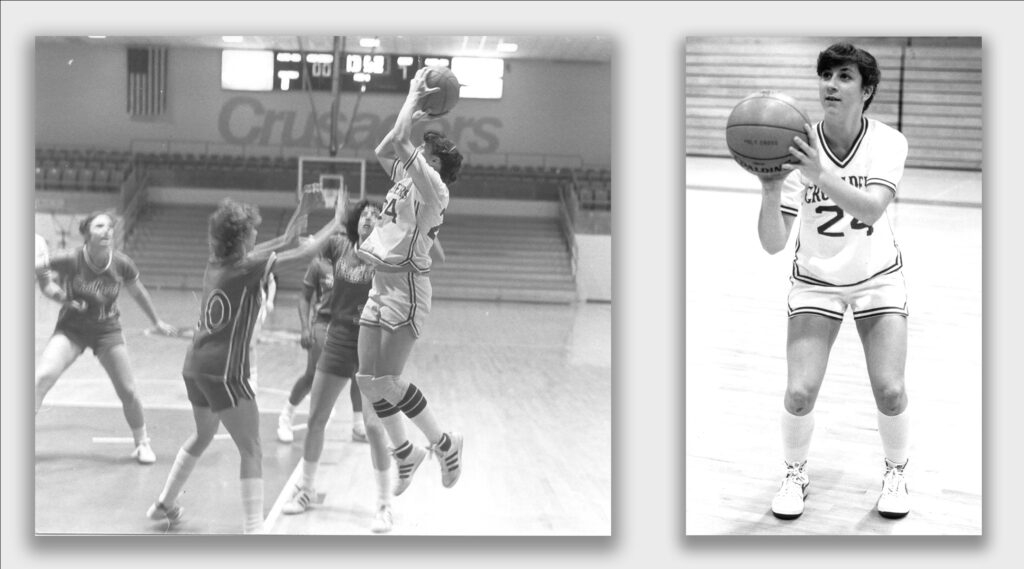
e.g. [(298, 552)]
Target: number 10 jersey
[(832, 247)]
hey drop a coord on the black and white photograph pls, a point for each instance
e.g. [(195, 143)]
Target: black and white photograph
[(368, 277), (833, 285)]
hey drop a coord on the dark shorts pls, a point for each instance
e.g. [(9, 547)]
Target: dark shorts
[(217, 395), (340, 356), (98, 338)]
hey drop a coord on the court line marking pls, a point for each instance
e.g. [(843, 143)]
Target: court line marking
[(282, 498)]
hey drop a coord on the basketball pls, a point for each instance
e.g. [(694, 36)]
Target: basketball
[(760, 131), (440, 102)]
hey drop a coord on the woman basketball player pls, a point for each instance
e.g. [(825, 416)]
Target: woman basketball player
[(339, 360), (314, 318), (90, 279), (400, 248), (217, 365), (846, 257)]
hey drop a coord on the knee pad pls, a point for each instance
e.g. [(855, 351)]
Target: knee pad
[(388, 387), (365, 383)]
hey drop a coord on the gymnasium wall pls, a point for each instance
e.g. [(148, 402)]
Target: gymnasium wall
[(555, 111), (931, 90)]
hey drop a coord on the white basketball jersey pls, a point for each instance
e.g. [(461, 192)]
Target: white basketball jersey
[(833, 248), (409, 221)]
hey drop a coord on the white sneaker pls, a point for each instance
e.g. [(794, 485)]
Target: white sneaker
[(407, 467), (144, 453), (300, 501), (894, 502), (788, 503), (284, 429), (383, 522), (451, 460), (158, 512)]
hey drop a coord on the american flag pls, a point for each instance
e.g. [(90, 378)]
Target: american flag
[(147, 81)]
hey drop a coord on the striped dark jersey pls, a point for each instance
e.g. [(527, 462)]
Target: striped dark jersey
[(232, 297), (98, 287)]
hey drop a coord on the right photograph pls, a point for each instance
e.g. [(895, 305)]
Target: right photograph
[(834, 277)]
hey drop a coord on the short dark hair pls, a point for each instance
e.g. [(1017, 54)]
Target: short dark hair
[(352, 220), (230, 225), (83, 227), (842, 53), (451, 159)]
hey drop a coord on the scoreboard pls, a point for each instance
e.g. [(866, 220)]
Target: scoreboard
[(374, 72)]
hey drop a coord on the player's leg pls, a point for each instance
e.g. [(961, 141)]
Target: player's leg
[(243, 424), (381, 459), (60, 352), (207, 423), (114, 359), (396, 346), (302, 386), (407, 455), (327, 387), (809, 342), (358, 423), (885, 347)]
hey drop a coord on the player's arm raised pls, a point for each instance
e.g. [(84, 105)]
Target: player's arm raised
[(404, 148), (773, 226), (313, 245)]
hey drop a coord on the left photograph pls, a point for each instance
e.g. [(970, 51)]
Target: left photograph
[(323, 285)]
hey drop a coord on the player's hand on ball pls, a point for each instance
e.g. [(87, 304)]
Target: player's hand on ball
[(806, 155), (418, 85)]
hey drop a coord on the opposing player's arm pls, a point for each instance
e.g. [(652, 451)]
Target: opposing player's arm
[(296, 225), (312, 246), (145, 302), (773, 225)]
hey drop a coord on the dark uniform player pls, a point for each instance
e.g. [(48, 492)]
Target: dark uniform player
[(314, 317), (216, 370), (88, 281)]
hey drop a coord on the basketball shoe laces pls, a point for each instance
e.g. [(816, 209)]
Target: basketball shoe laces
[(893, 481), (795, 480)]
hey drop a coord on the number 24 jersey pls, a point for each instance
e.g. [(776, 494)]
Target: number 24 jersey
[(832, 247)]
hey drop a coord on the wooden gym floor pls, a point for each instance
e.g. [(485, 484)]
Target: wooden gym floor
[(736, 371), (529, 385)]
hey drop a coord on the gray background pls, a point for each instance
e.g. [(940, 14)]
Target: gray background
[(648, 246)]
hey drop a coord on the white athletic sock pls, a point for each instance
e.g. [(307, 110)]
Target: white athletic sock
[(309, 474), (383, 478), (140, 435), (288, 412), (181, 469), (252, 505), (357, 419), (895, 433), (796, 436)]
